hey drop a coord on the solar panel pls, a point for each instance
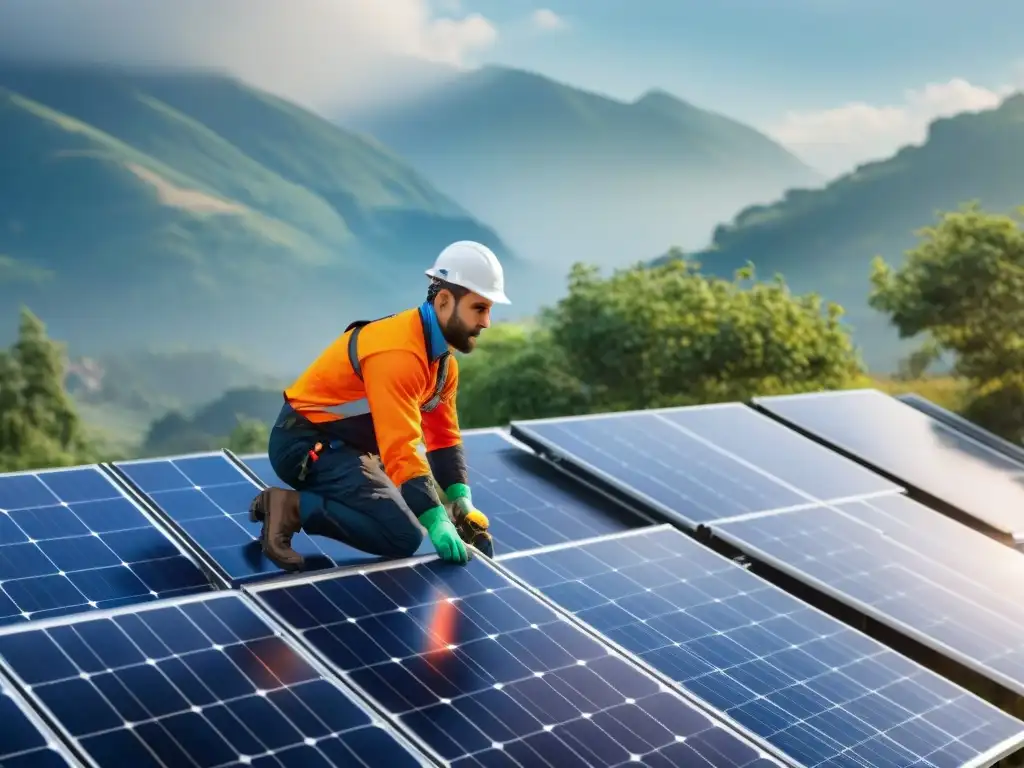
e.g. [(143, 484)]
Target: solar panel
[(203, 682), (207, 497), (973, 555), (484, 674), (259, 465), (821, 692), (672, 459), (71, 540), (922, 452), (528, 503), (864, 567), (25, 741), (956, 421)]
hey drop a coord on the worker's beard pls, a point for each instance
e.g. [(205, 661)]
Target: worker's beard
[(459, 335)]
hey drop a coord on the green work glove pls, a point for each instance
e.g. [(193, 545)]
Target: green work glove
[(471, 523), (443, 536)]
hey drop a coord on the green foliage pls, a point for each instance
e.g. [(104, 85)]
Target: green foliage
[(663, 336), (963, 286), (38, 423), (250, 436)]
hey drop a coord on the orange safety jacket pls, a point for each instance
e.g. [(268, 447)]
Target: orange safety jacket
[(382, 387)]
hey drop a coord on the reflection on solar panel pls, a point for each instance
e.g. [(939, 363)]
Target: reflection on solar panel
[(25, 742), (818, 690), (703, 463), (876, 574), (71, 540), (920, 451), (960, 424), (207, 497), (485, 674), (973, 555), (203, 682)]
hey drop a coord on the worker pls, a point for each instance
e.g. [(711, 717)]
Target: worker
[(347, 437)]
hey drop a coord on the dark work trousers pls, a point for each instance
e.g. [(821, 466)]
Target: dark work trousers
[(345, 495)]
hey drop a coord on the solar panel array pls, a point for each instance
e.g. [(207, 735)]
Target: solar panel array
[(818, 690), (485, 674), (140, 623)]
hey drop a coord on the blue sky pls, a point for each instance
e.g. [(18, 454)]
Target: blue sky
[(837, 81), (756, 57)]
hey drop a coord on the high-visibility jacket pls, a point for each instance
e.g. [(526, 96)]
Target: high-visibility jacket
[(384, 393)]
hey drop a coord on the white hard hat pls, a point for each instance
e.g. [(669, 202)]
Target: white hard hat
[(473, 266)]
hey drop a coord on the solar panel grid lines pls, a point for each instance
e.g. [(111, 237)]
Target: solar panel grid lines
[(926, 455), (25, 740), (205, 680), (206, 498), (484, 673), (671, 460), (862, 567), (822, 692), (72, 539)]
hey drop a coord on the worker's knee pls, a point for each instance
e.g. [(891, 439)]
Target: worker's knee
[(404, 540)]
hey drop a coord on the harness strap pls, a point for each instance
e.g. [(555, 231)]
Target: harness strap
[(353, 357)]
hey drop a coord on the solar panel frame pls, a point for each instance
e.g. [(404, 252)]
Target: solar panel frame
[(71, 742), (621, 490), (118, 490), (999, 752), (767, 751), (32, 718), (999, 524)]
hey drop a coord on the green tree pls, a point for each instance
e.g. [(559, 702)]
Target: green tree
[(250, 436), (39, 426), (648, 337), (962, 287)]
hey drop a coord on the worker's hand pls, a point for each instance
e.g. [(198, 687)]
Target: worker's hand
[(473, 525), (444, 536)]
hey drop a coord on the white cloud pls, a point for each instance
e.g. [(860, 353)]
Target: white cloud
[(836, 140), (316, 51), (546, 20)]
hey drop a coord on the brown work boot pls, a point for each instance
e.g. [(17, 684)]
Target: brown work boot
[(278, 510)]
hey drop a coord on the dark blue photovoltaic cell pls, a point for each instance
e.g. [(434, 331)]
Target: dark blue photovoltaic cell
[(205, 683), (208, 498), (71, 540), (486, 674), (920, 451), (650, 455), (870, 570), (779, 451), (259, 465), (23, 743), (821, 692)]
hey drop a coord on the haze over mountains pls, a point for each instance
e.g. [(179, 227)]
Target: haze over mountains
[(566, 174), (824, 239)]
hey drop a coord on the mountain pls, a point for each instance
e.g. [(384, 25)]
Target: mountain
[(824, 239), (566, 175), (144, 208)]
